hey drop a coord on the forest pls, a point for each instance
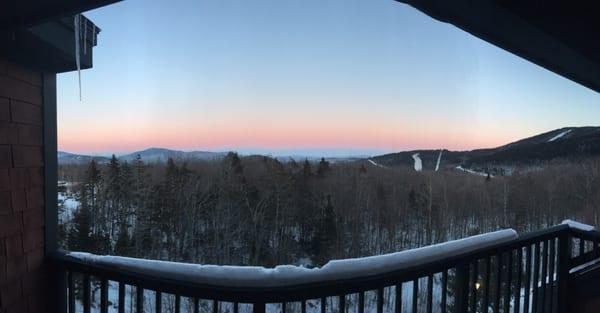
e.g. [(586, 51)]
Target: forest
[(257, 210)]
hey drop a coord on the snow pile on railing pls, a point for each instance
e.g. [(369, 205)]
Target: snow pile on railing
[(578, 225), (287, 275)]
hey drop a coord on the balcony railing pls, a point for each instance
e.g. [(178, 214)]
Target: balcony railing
[(526, 273)]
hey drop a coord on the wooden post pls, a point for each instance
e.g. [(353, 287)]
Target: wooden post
[(564, 256)]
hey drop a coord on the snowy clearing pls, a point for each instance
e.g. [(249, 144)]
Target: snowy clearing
[(559, 135), (437, 165), (466, 170), (418, 163), (286, 275), (375, 163)]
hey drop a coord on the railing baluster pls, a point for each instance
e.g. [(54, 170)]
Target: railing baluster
[(158, 301), (139, 301), (380, 300), (536, 274), (303, 306), (342, 303), (398, 304), (259, 307), (71, 292), (461, 288), (551, 272), (487, 283), (430, 293), (581, 247), (472, 284), (361, 302), (236, 307), (507, 293), (86, 293), (527, 279), (178, 304), (415, 295), (284, 308), (215, 306), (544, 276), (444, 290), (323, 305), (121, 297), (498, 283), (104, 296), (519, 278)]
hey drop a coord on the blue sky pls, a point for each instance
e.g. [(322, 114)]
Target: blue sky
[(312, 76)]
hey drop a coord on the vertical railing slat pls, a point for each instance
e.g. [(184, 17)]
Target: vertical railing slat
[(544, 277), (71, 292), (397, 305), (487, 283), (444, 290), (472, 284), (121, 297), (415, 296), (361, 302), (236, 307), (258, 307), (380, 300), (86, 293), (342, 303), (323, 305), (508, 284), (551, 272), (518, 280), (104, 296), (302, 307), (430, 293), (139, 301), (536, 277), (498, 290), (527, 279), (461, 289), (158, 301)]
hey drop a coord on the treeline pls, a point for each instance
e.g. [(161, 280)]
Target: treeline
[(260, 211)]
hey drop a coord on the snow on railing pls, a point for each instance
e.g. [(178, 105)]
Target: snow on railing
[(288, 275), (578, 225)]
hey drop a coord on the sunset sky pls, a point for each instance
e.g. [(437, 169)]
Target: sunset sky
[(333, 77)]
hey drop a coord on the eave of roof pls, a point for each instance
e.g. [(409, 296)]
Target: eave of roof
[(560, 36), (25, 13)]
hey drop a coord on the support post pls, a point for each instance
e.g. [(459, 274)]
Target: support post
[(564, 256)]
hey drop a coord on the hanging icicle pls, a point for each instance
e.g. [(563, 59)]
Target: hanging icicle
[(84, 37), (77, 30)]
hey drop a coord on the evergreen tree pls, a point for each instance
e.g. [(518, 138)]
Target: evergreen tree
[(323, 168)]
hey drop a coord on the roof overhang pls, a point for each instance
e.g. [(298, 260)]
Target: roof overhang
[(41, 33), (561, 36), (24, 13)]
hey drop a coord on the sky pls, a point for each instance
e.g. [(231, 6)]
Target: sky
[(330, 77)]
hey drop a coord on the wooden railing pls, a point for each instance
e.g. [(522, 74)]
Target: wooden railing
[(527, 274)]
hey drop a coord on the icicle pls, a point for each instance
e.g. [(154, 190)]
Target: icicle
[(84, 37), (77, 28), (93, 34)]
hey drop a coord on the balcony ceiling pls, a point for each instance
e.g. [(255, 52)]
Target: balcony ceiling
[(23, 13), (561, 36)]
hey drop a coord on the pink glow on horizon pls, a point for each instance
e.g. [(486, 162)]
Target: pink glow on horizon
[(271, 135)]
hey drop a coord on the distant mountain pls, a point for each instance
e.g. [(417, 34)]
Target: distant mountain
[(162, 155), (70, 158), (568, 143), (151, 155)]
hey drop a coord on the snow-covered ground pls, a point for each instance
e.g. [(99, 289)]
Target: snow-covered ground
[(418, 163), (466, 170), (437, 164), (559, 135), (375, 163)]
